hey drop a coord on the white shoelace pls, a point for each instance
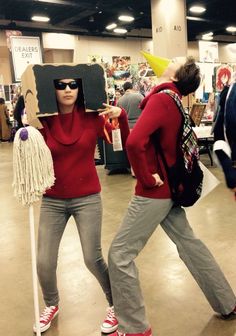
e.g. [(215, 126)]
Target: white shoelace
[(46, 314), (110, 314)]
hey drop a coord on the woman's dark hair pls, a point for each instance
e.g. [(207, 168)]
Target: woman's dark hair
[(188, 77), (2, 101), (18, 110), (80, 99)]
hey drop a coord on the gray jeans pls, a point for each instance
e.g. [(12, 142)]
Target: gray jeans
[(54, 215), (142, 218)]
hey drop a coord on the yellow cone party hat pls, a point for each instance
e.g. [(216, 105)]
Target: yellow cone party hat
[(158, 64)]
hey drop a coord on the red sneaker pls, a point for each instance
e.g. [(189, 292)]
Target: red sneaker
[(148, 332), (46, 318), (110, 323), (230, 316)]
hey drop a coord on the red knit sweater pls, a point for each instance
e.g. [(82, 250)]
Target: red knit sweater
[(160, 113), (72, 140)]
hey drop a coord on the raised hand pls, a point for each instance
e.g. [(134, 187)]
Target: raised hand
[(111, 111)]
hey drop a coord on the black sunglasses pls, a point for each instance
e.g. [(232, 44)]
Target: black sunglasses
[(61, 85)]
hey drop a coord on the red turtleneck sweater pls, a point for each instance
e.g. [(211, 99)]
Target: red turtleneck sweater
[(71, 139)]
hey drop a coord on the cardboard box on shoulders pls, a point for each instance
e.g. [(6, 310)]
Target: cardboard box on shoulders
[(39, 91)]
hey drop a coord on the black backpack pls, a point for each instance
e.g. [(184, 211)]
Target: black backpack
[(185, 177)]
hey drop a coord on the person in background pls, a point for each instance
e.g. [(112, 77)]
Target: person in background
[(5, 129), (118, 95), (71, 136), (130, 101), (224, 133), (152, 204)]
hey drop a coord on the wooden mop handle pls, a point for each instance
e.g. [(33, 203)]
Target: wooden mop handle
[(34, 269)]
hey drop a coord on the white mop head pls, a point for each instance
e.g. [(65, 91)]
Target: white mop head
[(32, 166)]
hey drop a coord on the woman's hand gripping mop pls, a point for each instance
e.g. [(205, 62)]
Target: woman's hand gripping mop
[(33, 174)]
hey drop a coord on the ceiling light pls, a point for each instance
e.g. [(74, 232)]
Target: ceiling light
[(207, 37), (126, 18), (197, 9), (40, 18), (120, 30), (111, 26), (231, 29)]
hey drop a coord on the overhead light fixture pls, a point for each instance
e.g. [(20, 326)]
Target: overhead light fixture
[(207, 37), (197, 9), (231, 29), (126, 18), (120, 30), (39, 18), (111, 26)]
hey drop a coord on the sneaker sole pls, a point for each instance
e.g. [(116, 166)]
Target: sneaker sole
[(109, 330), (47, 326), (228, 318)]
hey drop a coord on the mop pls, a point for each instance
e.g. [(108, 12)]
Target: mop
[(32, 175)]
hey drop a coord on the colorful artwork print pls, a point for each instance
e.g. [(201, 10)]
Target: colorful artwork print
[(223, 76), (144, 70), (197, 112), (95, 59), (120, 68)]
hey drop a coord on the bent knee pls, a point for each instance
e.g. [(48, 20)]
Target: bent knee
[(93, 263), (115, 256)]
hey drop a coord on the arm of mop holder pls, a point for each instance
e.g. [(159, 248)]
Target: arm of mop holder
[(24, 134)]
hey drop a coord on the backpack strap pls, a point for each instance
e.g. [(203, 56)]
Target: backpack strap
[(188, 139)]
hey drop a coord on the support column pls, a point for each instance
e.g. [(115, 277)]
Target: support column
[(169, 28)]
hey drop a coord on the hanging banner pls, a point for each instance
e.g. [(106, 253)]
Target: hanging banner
[(25, 50)]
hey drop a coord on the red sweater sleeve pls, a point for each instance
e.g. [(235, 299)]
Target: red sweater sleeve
[(123, 125), (154, 117)]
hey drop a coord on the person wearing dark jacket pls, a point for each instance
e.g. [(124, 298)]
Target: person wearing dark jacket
[(5, 131), (225, 136), (152, 205)]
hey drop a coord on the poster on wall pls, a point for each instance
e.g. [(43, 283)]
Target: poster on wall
[(25, 50), (141, 75), (197, 112), (95, 59), (208, 51), (10, 33), (120, 67)]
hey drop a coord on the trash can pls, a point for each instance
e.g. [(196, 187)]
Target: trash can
[(116, 162)]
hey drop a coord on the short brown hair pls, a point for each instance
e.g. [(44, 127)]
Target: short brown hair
[(188, 77), (127, 86)]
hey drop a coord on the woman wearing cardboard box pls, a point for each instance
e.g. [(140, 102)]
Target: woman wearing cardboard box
[(71, 136)]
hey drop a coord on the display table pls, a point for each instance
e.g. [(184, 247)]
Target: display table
[(205, 140), (203, 132)]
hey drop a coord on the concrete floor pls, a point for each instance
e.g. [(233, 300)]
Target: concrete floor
[(175, 304)]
